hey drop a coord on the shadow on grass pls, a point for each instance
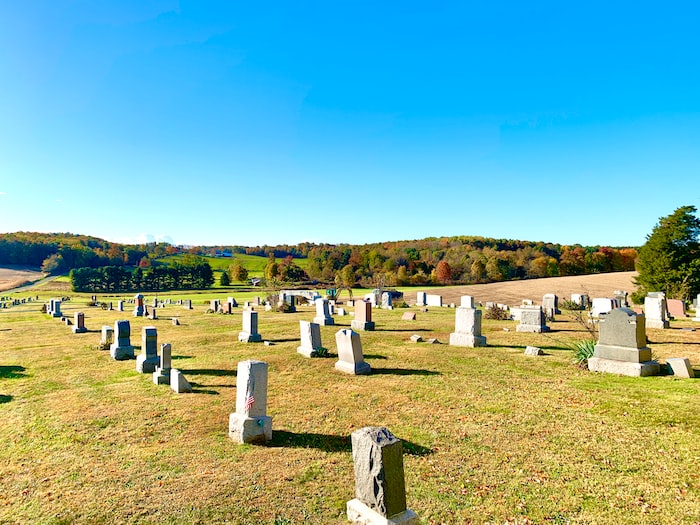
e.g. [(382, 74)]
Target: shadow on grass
[(181, 357), (404, 372), (288, 340), (402, 330), (196, 390), (12, 371), (373, 356), (209, 372), (332, 443), (5, 399)]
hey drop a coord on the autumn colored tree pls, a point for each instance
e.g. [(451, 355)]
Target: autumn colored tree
[(443, 272)]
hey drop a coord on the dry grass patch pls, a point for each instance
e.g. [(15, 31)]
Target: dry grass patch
[(491, 436)]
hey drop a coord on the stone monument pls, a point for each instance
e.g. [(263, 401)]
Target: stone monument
[(250, 422), (79, 323), (310, 339), (121, 348), (250, 334), (532, 319), (363, 316), (138, 305), (162, 374), (467, 328), (147, 360), (323, 315), (350, 357), (655, 310)]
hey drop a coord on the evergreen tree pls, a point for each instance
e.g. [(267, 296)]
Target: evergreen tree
[(670, 260), (224, 280)]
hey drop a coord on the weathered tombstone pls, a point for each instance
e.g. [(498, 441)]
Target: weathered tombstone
[(107, 336), (56, 308), (380, 490), (467, 328), (516, 313), (310, 339), (676, 308), (415, 338), (121, 348), (579, 299), (120, 306), (250, 334), (433, 300), (350, 357), (176, 321), (187, 304), (680, 366), (138, 305), (466, 301), (621, 298), (550, 305), (178, 382), (420, 299), (532, 319), (214, 305), (655, 311), (533, 351), (621, 347), (526, 302), (79, 323), (323, 316), (363, 316), (408, 316), (161, 376), (147, 360), (386, 301), (250, 422), (226, 308)]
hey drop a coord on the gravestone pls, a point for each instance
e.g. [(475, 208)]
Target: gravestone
[(466, 301), (380, 489), (655, 311), (175, 321), (56, 308), (467, 328), (533, 351), (232, 302), (187, 304), (107, 336), (697, 308), (341, 312), (420, 299), (147, 360), (178, 382), (79, 323), (350, 357), (120, 306), (602, 305), (363, 316), (226, 308), (110, 306), (408, 316), (433, 300), (516, 313), (250, 422), (680, 366), (532, 319), (310, 339), (323, 316), (214, 305), (579, 299), (138, 305), (121, 348), (161, 376), (550, 305), (621, 298), (415, 338), (154, 303), (676, 308), (250, 334), (386, 301), (621, 347)]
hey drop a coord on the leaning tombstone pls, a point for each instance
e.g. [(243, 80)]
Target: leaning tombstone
[(161, 376), (408, 316), (350, 357), (655, 311), (147, 360), (310, 339), (467, 328), (79, 323), (250, 422), (532, 319), (323, 316), (676, 308), (621, 347), (250, 334), (138, 305), (533, 351), (680, 366), (363, 316), (121, 348), (178, 382), (380, 490)]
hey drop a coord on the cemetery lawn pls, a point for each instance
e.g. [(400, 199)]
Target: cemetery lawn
[(490, 435)]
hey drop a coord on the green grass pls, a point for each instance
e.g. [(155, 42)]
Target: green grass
[(490, 435), (253, 263)]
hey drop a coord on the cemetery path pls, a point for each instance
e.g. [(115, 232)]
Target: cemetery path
[(513, 292)]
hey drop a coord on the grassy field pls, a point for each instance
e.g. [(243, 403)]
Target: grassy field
[(490, 435), (253, 263)]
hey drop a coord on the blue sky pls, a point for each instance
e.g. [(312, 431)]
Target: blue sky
[(205, 122)]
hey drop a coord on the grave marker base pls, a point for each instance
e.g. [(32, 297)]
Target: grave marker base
[(360, 325), (468, 340), (647, 368), (360, 513), (254, 430)]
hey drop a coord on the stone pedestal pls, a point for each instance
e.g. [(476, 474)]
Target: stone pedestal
[(350, 357), (249, 423), (467, 328), (121, 348)]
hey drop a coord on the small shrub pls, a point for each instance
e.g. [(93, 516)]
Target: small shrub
[(91, 303), (494, 312), (570, 305), (582, 351), (321, 352), (400, 304), (285, 308)]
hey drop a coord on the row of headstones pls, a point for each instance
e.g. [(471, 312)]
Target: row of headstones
[(658, 310), (6, 302), (148, 361)]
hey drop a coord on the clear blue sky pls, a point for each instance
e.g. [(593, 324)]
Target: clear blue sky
[(205, 122)]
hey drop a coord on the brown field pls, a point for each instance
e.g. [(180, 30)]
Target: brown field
[(12, 277), (512, 292)]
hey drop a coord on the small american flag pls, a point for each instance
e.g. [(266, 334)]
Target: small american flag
[(249, 400)]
